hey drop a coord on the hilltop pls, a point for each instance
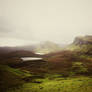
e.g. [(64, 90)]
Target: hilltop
[(83, 40), (82, 45), (47, 47)]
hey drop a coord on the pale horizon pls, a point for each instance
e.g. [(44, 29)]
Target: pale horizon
[(24, 22)]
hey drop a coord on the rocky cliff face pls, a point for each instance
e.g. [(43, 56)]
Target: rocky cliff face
[(82, 44), (83, 40)]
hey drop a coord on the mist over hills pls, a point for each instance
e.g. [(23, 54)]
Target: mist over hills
[(45, 47), (48, 47), (80, 43), (69, 61)]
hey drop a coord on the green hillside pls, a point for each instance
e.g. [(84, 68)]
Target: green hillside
[(58, 84), (11, 78)]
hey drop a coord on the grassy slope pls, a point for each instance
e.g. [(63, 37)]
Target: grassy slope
[(10, 77), (81, 84), (80, 48)]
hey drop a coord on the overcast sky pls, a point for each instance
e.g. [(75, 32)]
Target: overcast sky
[(33, 21)]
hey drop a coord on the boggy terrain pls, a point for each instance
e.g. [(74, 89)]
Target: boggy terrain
[(66, 70)]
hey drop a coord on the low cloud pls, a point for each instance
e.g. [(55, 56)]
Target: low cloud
[(40, 20)]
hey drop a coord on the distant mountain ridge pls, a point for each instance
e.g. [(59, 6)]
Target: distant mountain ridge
[(47, 47), (44, 47), (5, 50)]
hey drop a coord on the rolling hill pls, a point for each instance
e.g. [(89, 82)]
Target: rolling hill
[(78, 55), (71, 67), (47, 47)]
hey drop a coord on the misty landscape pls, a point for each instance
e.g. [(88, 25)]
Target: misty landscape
[(45, 46)]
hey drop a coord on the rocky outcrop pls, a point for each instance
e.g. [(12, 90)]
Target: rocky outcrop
[(83, 40)]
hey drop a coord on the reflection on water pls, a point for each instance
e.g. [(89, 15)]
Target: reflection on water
[(30, 58), (40, 53)]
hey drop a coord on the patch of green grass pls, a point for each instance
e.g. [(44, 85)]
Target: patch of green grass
[(14, 71), (79, 68), (83, 48), (78, 84), (73, 47)]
